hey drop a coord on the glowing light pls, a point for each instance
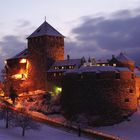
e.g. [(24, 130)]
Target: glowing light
[(23, 61), (58, 90), (5, 62), (114, 64), (17, 76)]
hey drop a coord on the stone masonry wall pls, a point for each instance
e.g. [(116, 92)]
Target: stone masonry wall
[(87, 94), (43, 51)]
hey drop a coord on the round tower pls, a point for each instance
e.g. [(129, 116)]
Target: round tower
[(125, 61), (45, 45)]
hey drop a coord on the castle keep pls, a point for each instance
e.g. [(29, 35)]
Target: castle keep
[(87, 86)]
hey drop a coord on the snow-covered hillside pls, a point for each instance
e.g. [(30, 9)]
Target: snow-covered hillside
[(129, 130), (45, 133)]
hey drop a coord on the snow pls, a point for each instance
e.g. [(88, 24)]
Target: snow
[(45, 132), (129, 130), (45, 29)]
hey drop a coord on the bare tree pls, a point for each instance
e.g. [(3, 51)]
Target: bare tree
[(24, 121), (6, 114)]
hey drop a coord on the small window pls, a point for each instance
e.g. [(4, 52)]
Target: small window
[(117, 75), (62, 67), (98, 64), (82, 76), (114, 65), (126, 100), (132, 76), (103, 64), (130, 90), (54, 74), (60, 74)]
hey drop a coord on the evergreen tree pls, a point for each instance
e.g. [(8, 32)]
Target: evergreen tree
[(13, 95)]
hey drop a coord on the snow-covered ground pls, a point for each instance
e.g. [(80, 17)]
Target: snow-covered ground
[(129, 130), (44, 133)]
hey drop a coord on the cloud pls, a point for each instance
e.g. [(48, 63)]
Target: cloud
[(10, 46), (23, 23), (103, 36)]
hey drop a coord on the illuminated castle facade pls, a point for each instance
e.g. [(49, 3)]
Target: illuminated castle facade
[(85, 84)]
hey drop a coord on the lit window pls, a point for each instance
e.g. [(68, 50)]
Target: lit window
[(5, 62), (70, 67), (54, 74), (23, 61), (62, 67), (19, 76), (81, 76), (98, 64), (114, 65), (60, 74), (103, 64)]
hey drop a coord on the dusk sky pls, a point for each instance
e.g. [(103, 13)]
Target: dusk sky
[(95, 28)]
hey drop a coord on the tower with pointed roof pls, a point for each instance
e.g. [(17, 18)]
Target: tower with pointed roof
[(45, 46), (124, 60)]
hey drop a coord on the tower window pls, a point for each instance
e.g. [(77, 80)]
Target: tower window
[(117, 75), (132, 76), (126, 100), (130, 90)]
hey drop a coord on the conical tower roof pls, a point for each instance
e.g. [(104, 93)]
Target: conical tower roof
[(122, 57), (45, 29)]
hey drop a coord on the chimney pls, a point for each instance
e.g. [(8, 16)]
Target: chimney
[(68, 57)]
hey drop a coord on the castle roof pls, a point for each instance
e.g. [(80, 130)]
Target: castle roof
[(137, 72), (122, 57), (98, 69), (22, 54), (45, 29), (69, 62)]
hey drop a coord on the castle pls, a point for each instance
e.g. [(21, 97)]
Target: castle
[(86, 85)]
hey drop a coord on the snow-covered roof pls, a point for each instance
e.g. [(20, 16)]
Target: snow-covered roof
[(137, 72), (22, 54), (101, 61), (122, 69), (69, 62), (45, 29), (98, 69), (122, 57)]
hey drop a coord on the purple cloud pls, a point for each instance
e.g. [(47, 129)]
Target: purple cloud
[(104, 36)]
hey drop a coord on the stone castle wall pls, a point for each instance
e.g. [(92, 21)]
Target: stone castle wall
[(94, 94), (43, 51)]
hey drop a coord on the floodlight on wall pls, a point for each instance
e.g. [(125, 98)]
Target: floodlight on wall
[(23, 60)]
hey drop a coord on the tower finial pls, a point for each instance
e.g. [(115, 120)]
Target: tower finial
[(45, 18)]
